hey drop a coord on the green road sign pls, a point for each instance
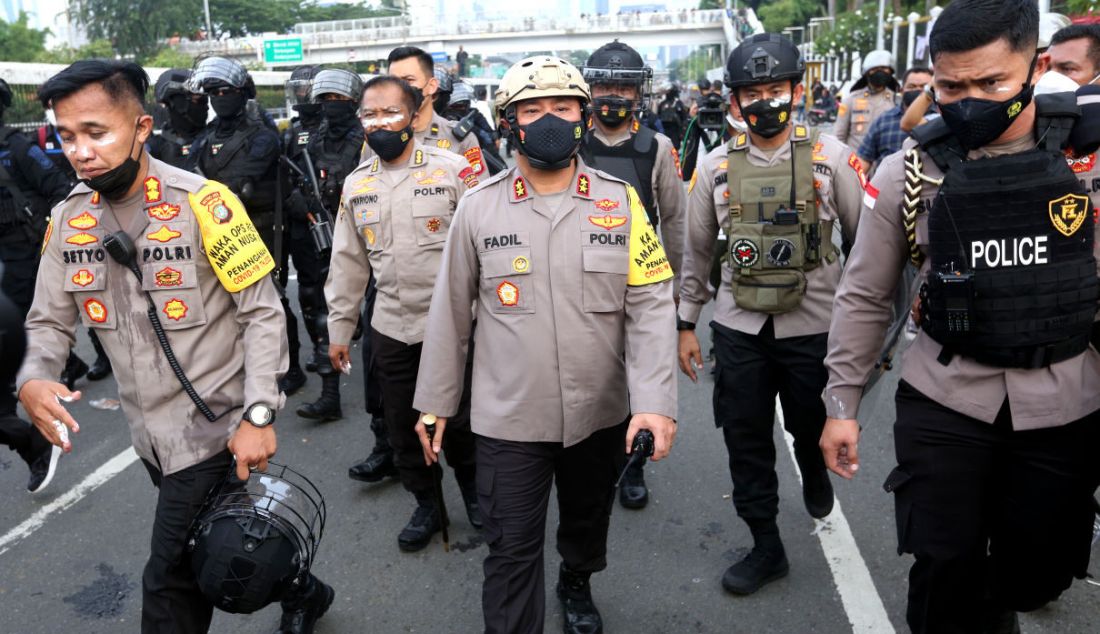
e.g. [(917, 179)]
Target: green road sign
[(283, 51)]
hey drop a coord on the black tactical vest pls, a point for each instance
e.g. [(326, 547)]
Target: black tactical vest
[(170, 147), (1013, 279), (333, 162), (633, 162)]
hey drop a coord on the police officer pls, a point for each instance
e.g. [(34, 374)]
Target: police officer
[(203, 275), (673, 115), (395, 215), (618, 144), (776, 191), (334, 154), (460, 107), (563, 264), (187, 112), (873, 94), (416, 67), (300, 248), (240, 149), (998, 408), (29, 185)]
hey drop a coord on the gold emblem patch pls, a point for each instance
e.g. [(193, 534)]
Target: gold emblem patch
[(520, 264), (175, 309), (1068, 213)]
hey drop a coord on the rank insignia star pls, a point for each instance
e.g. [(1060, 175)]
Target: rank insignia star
[(520, 188), (152, 190), (582, 185)]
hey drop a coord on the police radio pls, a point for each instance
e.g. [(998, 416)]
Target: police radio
[(953, 291), (641, 448)]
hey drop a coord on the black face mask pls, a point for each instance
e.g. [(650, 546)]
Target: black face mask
[(550, 142), (115, 182), (908, 97), (389, 145), (978, 122), (612, 111), (187, 116), (340, 116), (309, 114), (879, 79), (767, 117), (228, 106), (419, 97)]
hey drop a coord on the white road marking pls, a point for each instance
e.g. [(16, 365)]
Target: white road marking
[(105, 472), (858, 594)]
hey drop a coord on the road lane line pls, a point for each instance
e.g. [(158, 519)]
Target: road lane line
[(105, 472), (858, 594)]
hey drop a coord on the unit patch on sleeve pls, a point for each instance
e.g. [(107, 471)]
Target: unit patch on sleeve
[(233, 246)]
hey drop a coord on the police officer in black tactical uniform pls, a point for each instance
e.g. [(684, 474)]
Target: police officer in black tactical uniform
[(241, 149), (618, 144), (186, 111), (332, 153), (299, 247), (673, 115), (30, 184), (460, 107)]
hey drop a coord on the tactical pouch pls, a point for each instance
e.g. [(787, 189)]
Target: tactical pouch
[(773, 291)]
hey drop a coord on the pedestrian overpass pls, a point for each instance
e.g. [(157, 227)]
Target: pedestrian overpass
[(373, 38)]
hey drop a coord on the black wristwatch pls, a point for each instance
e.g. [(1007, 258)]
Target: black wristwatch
[(684, 325), (259, 415)]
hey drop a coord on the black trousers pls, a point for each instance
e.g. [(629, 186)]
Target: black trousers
[(998, 520), (513, 489), (21, 437), (171, 600), (398, 364), (751, 371)]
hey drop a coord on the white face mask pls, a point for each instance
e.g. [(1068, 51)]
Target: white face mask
[(1093, 80)]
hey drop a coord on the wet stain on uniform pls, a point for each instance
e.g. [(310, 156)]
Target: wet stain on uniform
[(474, 542), (104, 597)]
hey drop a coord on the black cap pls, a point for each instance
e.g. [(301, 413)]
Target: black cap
[(764, 58), (616, 62)]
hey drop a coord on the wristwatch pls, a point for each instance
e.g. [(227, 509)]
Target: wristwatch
[(684, 325), (259, 415)]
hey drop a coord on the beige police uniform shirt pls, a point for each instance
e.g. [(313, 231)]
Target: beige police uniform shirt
[(668, 193), (194, 243), (393, 220), (858, 111), (440, 134), (575, 317), (1045, 397), (838, 181)]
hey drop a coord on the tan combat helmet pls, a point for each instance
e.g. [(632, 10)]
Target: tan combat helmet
[(540, 76)]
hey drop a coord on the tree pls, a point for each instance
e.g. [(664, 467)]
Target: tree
[(853, 31), (96, 49), (236, 18), (20, 43), (781, 14), (169, 57), (137, 28)]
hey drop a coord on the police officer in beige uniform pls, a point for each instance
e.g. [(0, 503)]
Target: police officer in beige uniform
[(777, 191), (998, 408), (875, 93), (575, 333), (619, 145), (204, 275), (394, 216), (416, 67)]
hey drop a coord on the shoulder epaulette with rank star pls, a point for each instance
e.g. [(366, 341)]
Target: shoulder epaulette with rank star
[(584, 185), (740, 142), (519, 189), (801, 133), (435, 129), (418, 157)]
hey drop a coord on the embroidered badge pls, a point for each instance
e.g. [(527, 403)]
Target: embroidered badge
[(175, 309), (163, 211), (520, 264), (95, 310), (607, 222), (744, 253), (508, 293), (164, 234), (168, 276), (83, 277), (83, 222), (81, 239)]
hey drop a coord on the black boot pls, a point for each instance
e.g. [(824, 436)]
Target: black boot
[(101, 367), (74, 369), (766, 563), (301, 614), (379, 464), (633, 493), (327, 407), (579, 613), (424, 523), (468, 487), (293, 380), (817, 492)]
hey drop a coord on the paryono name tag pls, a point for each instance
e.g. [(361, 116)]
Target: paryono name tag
[(231, 241)]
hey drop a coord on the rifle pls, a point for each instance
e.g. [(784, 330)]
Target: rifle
[(320, 225)]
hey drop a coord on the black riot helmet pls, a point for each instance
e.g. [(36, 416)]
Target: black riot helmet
[(300, 85), (616, 64), (172, 82), (186, 110), (253, 542), (764, 58), (215, 72)]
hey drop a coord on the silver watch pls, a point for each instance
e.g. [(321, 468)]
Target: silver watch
[(259, 415)]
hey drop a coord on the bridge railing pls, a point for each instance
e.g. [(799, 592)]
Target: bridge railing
[(365, 31)]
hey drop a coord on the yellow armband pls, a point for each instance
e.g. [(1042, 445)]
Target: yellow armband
[(230, 240), (648, 263)]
